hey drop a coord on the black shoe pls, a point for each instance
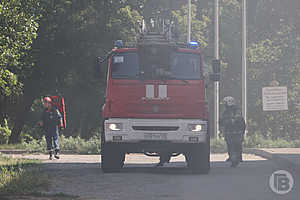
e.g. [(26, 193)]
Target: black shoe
[(234, 164), (56, 155), (159, 164), (228, 159), (50, 155), (234, 161)]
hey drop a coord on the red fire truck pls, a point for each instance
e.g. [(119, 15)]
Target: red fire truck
[(155, 102)]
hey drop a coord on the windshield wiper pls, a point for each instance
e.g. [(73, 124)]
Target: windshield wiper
[(183, 80), (124, 76)]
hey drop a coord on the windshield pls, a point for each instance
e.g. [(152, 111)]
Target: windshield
[(180, 66), (185, 66), (125, 65)]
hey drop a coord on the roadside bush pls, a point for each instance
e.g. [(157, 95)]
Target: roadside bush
[(79, 145), (30, 132), (71, 144), (35, 145), (218, 145), (5, 132), (296, 143), (255, 141), (93, 145), (259, 141)]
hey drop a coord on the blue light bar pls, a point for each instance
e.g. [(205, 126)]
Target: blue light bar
[(119, 43), (193, 45)]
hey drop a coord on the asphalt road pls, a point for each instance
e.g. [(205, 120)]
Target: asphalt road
[(140, 180)]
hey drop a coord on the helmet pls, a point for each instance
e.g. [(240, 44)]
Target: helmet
[(47, 99), (229, 101)]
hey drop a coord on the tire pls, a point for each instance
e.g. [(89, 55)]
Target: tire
[(235, 160), (198, 158), (112, 159)]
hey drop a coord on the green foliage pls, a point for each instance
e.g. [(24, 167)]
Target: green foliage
[(5, 132), (18, 29), (21, 181), (125, 23), (67, 144), (259, 141), (265, 52), (8, 162), (17, 178), (255, 141), (11, 146), (200, 23), (272, 59), (9, 84), (35, 145), (79, 145), (218, 145)]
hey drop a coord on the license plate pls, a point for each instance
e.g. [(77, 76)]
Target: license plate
[(155, 136)]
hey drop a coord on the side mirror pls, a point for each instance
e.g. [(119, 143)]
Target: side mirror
[(99, 68), (216, 66), (216, 75)]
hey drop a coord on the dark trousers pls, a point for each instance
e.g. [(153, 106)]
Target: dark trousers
[(234, 144), (164, 157), (52, 140)]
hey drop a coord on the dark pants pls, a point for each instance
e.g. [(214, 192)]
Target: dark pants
[(234, 144), (52, 139), (164, 157)]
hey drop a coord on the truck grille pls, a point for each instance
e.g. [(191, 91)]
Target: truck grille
[(155, 128)]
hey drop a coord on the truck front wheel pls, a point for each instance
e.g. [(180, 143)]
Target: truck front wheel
[(112, 159), (198, 158)]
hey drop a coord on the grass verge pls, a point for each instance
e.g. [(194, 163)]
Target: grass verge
[(11, 146), (38, 196), (254, 141), (21, 177), (93, 145), (69, 144)]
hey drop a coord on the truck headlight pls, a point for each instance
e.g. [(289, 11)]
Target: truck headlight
[(195, 127), (113, 127)]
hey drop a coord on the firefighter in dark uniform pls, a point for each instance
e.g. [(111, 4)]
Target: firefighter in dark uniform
[(233, 126), (51, 122)]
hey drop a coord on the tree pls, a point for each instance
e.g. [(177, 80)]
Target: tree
[(18, 21), (272, 57), (71, 35)]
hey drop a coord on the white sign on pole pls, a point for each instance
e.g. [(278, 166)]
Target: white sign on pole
[(274, 98)]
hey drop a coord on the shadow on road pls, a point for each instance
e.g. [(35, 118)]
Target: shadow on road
[(173, 168)]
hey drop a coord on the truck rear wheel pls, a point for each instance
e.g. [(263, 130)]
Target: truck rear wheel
[(198, 158), (112, 159)]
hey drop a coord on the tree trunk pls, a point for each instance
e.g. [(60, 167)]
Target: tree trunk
[(16, 132), (2, 112), (22, 109)]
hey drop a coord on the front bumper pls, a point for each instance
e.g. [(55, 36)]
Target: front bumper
[(171, 131)]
